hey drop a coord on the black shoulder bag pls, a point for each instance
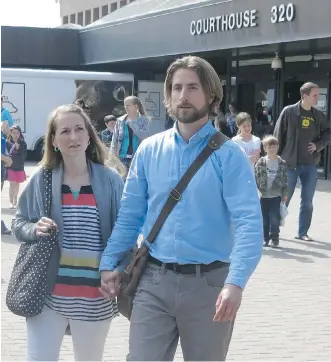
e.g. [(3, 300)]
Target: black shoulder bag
[(130, 277), (27, 286)]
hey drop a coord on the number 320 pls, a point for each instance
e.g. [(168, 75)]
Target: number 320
[(282, 13)]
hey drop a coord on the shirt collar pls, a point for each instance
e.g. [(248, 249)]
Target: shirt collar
[(202, 133)]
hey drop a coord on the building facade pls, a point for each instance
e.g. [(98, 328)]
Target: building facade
[(262, 50), (85, 12)]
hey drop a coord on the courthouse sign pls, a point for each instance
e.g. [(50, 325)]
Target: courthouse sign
[(244, 19)]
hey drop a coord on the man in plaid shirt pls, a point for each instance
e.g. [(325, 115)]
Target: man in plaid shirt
[(106, 135)]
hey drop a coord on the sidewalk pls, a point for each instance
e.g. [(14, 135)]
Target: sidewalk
[(285, 313)]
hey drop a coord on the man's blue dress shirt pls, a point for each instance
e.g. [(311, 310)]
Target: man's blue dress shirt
[(218, 217)]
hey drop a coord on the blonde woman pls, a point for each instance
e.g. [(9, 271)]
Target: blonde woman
[(130, 130), (85, 202)]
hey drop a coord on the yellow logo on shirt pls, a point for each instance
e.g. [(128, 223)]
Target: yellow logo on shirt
[(306, 122)]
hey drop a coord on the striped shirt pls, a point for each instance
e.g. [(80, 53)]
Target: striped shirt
[(75, 294)]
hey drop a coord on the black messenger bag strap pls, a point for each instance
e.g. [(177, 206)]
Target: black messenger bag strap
[(132, 274), (214, 143)]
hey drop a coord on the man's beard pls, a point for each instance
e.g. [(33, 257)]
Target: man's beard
[(193, 114)]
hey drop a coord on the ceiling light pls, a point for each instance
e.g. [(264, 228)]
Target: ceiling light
[(276, 63)]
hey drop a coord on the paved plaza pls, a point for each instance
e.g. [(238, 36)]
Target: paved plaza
[(285, 313)]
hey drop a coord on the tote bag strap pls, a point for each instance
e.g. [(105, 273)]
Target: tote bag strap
[(47, 174)]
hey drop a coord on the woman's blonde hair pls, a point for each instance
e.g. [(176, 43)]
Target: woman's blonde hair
[(112, 161), (136, 101), (95, 152), (241, 118)]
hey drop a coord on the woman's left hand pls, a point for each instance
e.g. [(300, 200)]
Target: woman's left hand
[(8, 162)]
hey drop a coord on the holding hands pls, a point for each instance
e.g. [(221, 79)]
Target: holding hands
[(110, 284), (43, 226), (254, 157)]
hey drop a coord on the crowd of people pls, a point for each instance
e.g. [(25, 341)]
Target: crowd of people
[(207, 248), (301, 133), (13, 154)]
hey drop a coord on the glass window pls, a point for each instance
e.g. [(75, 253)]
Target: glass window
[(113, 7), (80, 18), (87, 17), (264, 108), (123, 3), (96, 14), (73, 18), (322, 104), (104, 10), (65, 20)]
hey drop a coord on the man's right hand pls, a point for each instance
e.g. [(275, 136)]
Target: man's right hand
[(110, 283)]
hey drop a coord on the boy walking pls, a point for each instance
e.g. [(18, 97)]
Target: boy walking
[(271, 179), (106, 135)]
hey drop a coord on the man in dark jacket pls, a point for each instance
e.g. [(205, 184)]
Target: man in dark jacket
[(303, 132)]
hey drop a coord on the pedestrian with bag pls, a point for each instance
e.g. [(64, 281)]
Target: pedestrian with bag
[(130, 130), (64, 218), (303, 132), (194, 191)]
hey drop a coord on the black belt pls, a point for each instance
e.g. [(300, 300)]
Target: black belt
[(189, 268)]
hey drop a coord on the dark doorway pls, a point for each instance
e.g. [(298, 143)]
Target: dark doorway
[(292, 92), (246, 98)]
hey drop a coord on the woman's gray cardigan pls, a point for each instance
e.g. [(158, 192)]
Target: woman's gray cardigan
[(107, 187)]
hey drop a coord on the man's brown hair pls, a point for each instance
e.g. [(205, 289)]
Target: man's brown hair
[(208, 78), (307, 88)]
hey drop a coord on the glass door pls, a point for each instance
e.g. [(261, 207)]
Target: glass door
[(265, 117), (291, 93)]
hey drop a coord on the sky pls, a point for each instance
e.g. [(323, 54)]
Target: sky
[(38, 13)]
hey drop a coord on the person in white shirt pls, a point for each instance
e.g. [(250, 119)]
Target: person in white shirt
[(248, 142)]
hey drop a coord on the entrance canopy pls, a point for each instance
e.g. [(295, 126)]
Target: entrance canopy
[(158, 28)]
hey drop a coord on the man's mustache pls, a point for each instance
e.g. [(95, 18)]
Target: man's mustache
[(185, 105)]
